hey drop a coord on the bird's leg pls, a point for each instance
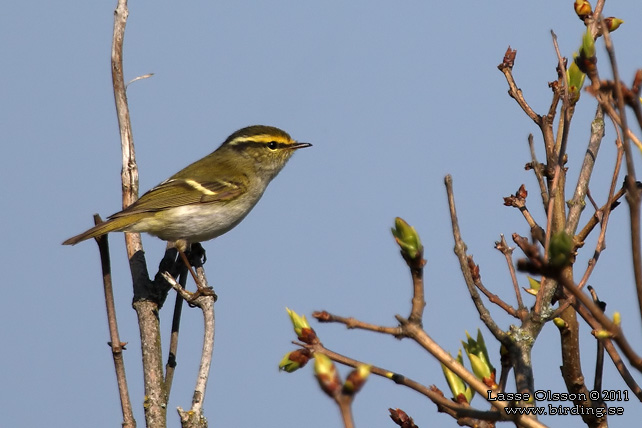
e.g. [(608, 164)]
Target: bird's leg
[(191, 269), (197, 251)]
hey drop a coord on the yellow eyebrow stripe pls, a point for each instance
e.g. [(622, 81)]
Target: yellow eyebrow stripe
[(262, 138)]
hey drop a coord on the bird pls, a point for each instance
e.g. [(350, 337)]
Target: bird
[(210, 196)]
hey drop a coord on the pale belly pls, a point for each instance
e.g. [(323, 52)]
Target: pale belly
[(195, 223)]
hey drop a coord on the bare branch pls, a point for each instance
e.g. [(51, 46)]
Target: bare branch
[(556, 209), (170, 366), (605, 215), (136, 79), (599, 359), (633, 194), (506, 67), (507, 251), (576, 205), (350, 322), (194, 417), (537, 169), (117, 347), (460, 251), (129, 173), (599, 214), (418, 300), (493, 298), (155, 406)]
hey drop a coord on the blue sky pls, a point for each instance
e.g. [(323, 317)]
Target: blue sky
[(393, 95)]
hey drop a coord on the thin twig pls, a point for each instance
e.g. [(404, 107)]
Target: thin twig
[(117, 347), (633, 194), (507, 251), (345, 407), (418, 300), (604, 99), (599, 359), (350, 322), (599, 214), (136, 79), (606, 214), (515, 92), (595, 30), (460, 251), (492, 297), (518, 200), (555, 211), (537, 169), (170, 366)]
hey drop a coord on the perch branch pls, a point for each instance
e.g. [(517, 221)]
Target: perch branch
[(170, 366), (194, 417), (147, 311)]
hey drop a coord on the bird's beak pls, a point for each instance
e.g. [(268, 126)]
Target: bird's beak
[(298, 145)]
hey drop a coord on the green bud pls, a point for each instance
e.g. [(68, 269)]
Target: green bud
[(588, 45), (479, 360), (407, 238), (534, 286), (602, 334), (560, 249), (457, 386), (574, 80), (356, 379), (480, 368), (478, 348), (326, 374), (582, 8), (288, 365), (613, 23), (559, 322), (617, 318), (298, 322), (294, 360)]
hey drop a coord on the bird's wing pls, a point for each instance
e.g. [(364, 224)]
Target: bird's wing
[(177, 192)]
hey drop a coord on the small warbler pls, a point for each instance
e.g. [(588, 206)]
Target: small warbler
[(209, 197)]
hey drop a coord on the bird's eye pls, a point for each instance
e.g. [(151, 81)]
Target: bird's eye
[(272, 145)]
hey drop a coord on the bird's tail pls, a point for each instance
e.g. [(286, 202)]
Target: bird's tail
[(118, 224)]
